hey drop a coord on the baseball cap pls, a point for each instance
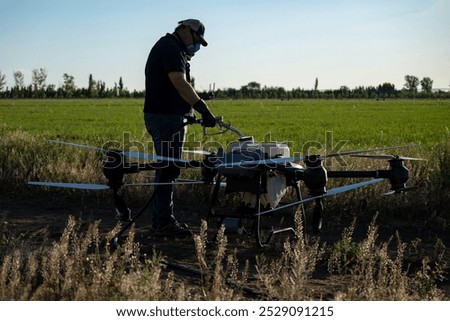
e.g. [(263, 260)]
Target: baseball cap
[(197, 27)]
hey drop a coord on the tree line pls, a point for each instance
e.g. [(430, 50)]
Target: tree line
[(39, 88), (253, 90), (383, 91)]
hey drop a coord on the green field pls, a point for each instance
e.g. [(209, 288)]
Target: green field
[(363, 123)]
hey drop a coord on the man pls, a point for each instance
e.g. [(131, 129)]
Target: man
[(169, 98)]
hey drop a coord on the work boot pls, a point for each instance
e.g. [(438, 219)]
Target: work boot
[(174, 230)]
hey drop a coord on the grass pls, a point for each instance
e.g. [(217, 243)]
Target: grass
[(363, 123), (80, 266)]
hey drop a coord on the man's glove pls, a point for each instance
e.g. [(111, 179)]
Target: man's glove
[(208, 119)]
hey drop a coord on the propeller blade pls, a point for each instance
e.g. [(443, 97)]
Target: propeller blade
[(367, 150), (374, 156), (77, 145), (254, 163), (350, 187), (389, 157), (198, 152), (105, 187), (283, 160), (412, 158), (144, 156), (131, 154), (71, 185), (177, 182), (331, 192)]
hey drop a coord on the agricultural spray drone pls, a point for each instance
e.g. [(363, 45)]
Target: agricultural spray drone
[(259, 173)]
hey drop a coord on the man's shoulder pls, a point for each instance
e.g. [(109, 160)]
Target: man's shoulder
[(168, 41)]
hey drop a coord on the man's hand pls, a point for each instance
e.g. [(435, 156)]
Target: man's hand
[(208, 119)]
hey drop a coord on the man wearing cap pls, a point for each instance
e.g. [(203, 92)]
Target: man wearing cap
[(169, 97)]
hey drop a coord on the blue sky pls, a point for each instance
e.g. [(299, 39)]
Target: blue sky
[(276, 43)]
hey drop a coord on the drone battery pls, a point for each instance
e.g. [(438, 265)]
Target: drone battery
[(242, 180)]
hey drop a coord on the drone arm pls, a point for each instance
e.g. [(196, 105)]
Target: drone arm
[(397, 174), (360, 174)]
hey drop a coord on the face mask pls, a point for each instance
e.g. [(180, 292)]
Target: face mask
[(193, 48)]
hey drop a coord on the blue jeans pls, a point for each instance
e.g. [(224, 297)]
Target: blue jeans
[(168, 136)]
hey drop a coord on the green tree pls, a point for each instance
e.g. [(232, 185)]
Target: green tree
[(344, 92), (386, 90), (427, 85), (92, 87), (19, 79), (120, 87), (50, 91), (253, 85), (2, 81), (38, 77), (69, 85), (411, 83), (18, 91), (101, 89), (251, 90)]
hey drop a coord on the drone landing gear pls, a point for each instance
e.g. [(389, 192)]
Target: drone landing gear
[(274, 224), (264, 227), (123, 213), (269, 226), (115, 240), (317, 217)]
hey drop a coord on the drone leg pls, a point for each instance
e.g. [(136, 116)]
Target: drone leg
[(317, 217), (213, 198), (123, 213), (258, 224), (212, 203), (115, 240)]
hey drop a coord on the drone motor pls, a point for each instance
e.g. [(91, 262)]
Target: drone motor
[(399, 173), (315, 175)]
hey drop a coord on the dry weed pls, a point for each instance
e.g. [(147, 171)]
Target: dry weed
[(376, 274), (287, 278)]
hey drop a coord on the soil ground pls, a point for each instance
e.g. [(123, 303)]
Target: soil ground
[(43, 217)]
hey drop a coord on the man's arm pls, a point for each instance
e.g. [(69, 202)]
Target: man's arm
[(190, 96), (185, 89)]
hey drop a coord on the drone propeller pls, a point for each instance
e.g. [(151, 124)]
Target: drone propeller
[(105, 187), (144, 156), (390, 157), (266, 161), (71, 185), (131, 154), (367, 150), (284, 160), (198, 152), (331, 192), (177, 182), (78, 145)]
